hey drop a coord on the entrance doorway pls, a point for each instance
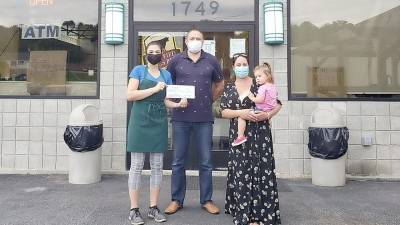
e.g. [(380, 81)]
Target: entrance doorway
[(221, 40)]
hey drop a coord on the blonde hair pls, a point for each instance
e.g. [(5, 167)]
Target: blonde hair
[(266, 69)]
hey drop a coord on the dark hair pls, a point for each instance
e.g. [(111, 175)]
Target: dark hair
[(194, 29), (237, 55), (154, 43)]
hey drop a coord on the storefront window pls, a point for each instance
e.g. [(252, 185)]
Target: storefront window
[(345, 49), (194, 10), (48, 48)]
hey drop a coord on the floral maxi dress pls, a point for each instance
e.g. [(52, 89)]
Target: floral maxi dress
[(251, 193)]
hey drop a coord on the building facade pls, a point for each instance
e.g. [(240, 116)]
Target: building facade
[(331, 55)]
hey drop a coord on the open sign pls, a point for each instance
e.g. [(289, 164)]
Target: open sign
[(41, 2)]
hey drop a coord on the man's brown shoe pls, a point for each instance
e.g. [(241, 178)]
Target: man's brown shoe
[(210, 207), (172, 208)]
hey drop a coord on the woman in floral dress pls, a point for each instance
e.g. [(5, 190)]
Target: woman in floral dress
[(251, 194)]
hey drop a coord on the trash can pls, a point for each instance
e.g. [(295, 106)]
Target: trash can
[(84, 136), (328, 145)]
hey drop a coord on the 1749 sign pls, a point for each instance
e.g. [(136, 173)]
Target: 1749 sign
[(194, 10), (189, 7)]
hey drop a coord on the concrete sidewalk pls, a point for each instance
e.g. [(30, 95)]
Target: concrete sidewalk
[(42, 200)]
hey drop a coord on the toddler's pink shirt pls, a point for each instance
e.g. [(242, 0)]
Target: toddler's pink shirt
[(269, 93)]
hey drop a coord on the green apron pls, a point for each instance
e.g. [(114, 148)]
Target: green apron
[(148, 126)]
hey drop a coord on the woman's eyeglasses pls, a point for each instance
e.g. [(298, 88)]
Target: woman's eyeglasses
[(236, 55)]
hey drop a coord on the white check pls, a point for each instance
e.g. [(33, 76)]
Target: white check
[(180, 91)]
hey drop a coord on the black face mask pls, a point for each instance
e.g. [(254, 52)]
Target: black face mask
[(154, 58)]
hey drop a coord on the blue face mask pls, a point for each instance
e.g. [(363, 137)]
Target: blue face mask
[(241, 71)]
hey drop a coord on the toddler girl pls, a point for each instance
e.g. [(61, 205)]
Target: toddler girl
[(265, 100)]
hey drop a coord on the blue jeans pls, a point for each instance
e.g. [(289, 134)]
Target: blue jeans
[(181, 132)]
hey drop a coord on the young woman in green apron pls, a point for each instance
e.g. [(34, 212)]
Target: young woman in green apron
[(148, 128)]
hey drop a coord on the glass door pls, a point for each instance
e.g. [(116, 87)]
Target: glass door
[(222, 44)]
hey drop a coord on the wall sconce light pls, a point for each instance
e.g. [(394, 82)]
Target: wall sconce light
[(114, 23), (273, 22)]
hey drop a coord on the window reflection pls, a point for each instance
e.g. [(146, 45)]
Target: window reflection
[(48, 47), (341, 53)]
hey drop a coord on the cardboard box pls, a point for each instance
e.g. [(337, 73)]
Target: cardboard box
[(326, 82), (47, 72)]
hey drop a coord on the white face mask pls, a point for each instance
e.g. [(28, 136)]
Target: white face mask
[(194, 46)]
